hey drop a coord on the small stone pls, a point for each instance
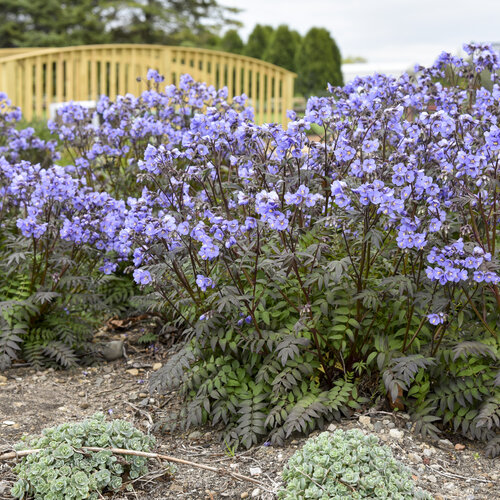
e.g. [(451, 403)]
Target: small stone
[(143, 395), (177, 487), (84, 406), (3, 487), (332, 428), (413, 457), (365, 421), (386, 421), (391, 425), (432, 479), (428, 452), (157, 366), (449, 486), (459, 447), (377, 426), (3, 379), (112, 350), (396, 434), (244, 494), (8, 422), (438, 497), (195, 435), (81, 394), (255, 471), (446, 443), (255, 492), (384, 438), (133, 371)]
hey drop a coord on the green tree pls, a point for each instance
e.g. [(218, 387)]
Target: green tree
[(283, 46), (258, 41), (318, 63), (44, 23), (232, 42), (25, 23)]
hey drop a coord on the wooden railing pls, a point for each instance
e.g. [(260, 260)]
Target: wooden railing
[(34, 78)]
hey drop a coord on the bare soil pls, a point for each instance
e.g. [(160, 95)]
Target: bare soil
[(31, 400)]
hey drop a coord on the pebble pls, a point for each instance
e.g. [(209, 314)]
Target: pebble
[(391, 425), (255, 471), (8, 422), (112, 350), (413, 457), (244, 494), (386, 421), (81, 394), (396, 434), (3, 379), (366, 421), (428, 452), (377, 426), (157, 366), (459, 447), (255, 492), (432, 479), (195, 435), (446, 443), (133, 371), (332, 427)]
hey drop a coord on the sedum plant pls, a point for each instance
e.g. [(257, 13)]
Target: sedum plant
[(62, 470), (347, 464)]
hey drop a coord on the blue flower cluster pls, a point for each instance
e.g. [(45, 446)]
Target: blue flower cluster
[(182, 172)]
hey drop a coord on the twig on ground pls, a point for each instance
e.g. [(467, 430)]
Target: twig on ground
[(458, 476), (121, 451)]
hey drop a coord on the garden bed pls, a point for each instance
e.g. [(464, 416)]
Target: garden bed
[(31, 400)]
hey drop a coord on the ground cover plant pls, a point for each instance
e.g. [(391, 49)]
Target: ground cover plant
[(347, 465), (61, 470), (304, 275)]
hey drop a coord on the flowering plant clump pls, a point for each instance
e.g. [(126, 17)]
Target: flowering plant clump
[(61, 470), (347, 465), (296, 269)]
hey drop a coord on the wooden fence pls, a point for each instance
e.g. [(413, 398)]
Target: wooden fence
[(35, 78)]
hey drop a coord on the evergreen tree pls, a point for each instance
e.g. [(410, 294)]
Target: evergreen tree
[(283, 46), (41, 23), (45, 23), (258, 41), (232, 42), (318, 63)]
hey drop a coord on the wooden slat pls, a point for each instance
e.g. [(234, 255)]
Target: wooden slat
[(49, 94), (276, 97), (253, 91), (38, 86)]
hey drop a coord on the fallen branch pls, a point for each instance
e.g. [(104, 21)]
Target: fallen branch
[(120, 451)]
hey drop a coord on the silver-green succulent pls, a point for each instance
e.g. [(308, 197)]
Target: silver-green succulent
[(60, 470), (347, 465)]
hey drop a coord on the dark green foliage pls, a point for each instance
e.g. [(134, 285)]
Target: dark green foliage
[(318, 63), (232, 42), (282, 48), (258, 41), (52, 23), (60, 470)]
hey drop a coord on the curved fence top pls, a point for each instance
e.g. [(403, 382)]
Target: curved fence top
[(37, 78)]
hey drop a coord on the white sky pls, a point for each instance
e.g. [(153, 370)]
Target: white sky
[(383, 31)]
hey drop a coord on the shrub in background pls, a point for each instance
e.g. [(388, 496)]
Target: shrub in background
[(347, 465)]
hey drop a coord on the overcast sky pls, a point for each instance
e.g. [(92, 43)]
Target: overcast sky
[(382, 31)]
